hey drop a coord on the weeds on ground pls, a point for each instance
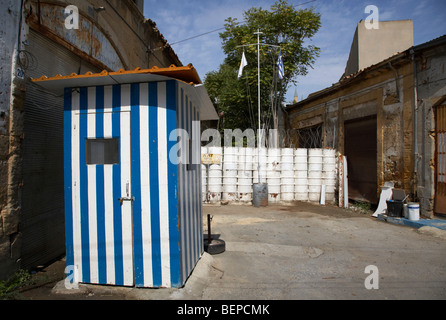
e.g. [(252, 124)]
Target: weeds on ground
[(361, 206), (8, 287)]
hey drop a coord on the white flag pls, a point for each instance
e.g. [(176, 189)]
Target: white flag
[(243, 64)]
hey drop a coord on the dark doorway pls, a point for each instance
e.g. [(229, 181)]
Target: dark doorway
[(360, 147)]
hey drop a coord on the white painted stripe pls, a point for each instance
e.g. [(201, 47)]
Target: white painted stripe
[(145, 184), (92, 206), (108, 191), (77, 247), (181, 188), (163, 185), (127, 235)]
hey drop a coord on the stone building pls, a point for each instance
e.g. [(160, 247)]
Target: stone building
[(388, 119), (49, 38)]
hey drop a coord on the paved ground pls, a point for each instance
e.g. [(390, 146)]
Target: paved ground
[(295, 252)]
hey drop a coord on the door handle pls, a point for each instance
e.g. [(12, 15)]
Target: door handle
[(122, 199)]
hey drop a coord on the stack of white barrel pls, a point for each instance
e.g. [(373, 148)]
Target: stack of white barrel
[(273, 175), (300, 175), (245, 167), (215, 177), (287, 174), (230, 164), (315, 160), (329, 174)]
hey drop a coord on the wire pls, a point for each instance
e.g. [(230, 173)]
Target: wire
[(137, 35), (212, 31)]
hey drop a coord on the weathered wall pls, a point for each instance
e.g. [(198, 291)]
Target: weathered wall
[(431, 90), (12, 93), (386, 93), (112, 34)]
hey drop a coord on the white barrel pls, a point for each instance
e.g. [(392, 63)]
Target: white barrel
[(301, 174), (273, 174), (413, 211), (300, 166), (249, 159), (243, 174), (329, 171), (314, 189), (315, 153), (301, 186), (229, 173), (300, 152), (230, 154), (241, 158), (273, 190), (312, 174), (287, 159), (273, 159), (287, 181), (229, 188), (329, 153), (300, 159), (215, 177), (230, 158), (314, 166)]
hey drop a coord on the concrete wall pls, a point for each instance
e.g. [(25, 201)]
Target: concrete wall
[(371, 46)]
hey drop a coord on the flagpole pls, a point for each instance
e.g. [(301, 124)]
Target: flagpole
[(258, 33), (259, 140)]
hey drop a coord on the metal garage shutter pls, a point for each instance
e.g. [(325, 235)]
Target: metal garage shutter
[(42, 226)]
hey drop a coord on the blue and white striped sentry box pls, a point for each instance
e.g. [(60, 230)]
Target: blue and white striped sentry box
[(133, 210)]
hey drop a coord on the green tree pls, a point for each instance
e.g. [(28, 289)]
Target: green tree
[(283, 25)]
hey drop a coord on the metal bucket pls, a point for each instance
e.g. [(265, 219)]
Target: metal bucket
[(260, 195)]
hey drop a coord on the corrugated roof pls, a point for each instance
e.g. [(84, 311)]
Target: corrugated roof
[(187, 74)]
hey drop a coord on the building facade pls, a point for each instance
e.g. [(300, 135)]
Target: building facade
[(387, 119)]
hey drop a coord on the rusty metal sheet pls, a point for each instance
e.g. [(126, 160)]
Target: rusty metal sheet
[(88, 38)]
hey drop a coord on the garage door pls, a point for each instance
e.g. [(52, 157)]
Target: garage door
[(360, 147), (42, 225), (440, 192)]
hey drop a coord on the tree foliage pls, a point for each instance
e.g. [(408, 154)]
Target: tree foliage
[(282, 25)]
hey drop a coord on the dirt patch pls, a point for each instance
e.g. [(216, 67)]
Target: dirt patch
[(309, 209)]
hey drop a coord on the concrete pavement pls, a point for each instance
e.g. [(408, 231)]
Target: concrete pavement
[(303, 251)]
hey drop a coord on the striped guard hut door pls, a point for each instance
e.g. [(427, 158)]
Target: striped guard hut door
[(121, 204), (99, 228)]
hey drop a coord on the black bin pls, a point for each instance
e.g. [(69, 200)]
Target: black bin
[(394, 208)]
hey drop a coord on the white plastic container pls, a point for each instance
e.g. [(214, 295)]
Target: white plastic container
[(413, 210)]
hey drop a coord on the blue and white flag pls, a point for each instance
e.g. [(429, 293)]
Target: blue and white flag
[(280, 66)]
